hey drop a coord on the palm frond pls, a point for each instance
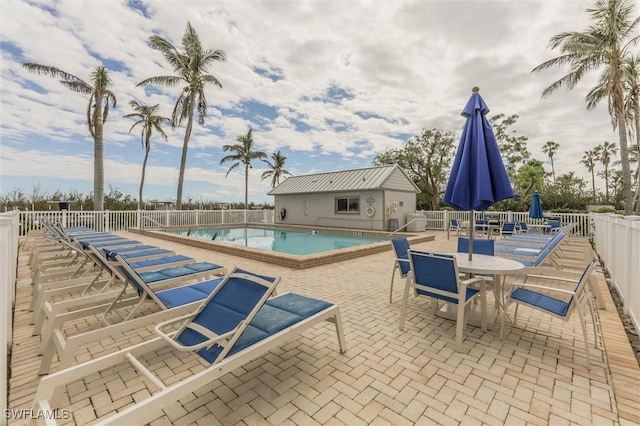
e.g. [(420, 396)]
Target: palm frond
[(51, 71), (162, 80)]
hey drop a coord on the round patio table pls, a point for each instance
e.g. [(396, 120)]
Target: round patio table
[(490, 265)]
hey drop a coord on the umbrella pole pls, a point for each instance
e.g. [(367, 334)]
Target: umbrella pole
[(472, 228)]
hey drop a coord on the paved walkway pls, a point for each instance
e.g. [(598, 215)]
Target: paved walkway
[(533, 376)]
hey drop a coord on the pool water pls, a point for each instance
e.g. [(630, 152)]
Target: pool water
[(289, 241)]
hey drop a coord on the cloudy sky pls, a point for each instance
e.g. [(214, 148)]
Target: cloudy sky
[(328, 83)]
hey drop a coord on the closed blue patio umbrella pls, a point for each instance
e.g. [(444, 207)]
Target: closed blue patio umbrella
[(535, 211), (478, 177)]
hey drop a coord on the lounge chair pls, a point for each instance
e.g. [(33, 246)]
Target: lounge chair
[(236, 324), (121, 297), (556, 301), (436, 276), (400, 247), (507, 228), (455, 225)]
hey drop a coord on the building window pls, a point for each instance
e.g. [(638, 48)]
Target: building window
[(348, 205)]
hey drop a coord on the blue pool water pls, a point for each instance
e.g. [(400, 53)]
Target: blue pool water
[(281, 240)]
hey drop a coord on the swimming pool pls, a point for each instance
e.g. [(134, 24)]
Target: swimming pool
[(282, 240), (333, 253)]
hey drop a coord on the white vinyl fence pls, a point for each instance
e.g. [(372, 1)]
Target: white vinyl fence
[(617, 241), (8, 274), (439, 219), (114, 221)]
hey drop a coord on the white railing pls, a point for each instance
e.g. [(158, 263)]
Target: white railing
[(617, 241), (8, 273), (113, 221), (439, 219)]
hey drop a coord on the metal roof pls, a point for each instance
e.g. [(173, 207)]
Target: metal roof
[(372, 178)]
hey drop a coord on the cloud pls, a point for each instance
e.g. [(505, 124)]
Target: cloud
[(330, 84)]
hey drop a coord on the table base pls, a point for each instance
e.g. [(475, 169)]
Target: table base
[(474, 316)]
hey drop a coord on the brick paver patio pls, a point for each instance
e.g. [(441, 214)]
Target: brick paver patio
[(536, 375)]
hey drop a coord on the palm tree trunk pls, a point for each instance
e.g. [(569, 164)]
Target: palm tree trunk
[(246, 186), (144, 169), (98, 156), (624, 158), (636, 199), (593, 183), (553, 170), (183, 158)]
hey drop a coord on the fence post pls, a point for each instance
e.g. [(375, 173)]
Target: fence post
[(107, 228), (64, 218)]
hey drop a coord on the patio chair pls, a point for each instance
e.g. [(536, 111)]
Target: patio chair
[(523, 227), (554, 226), (481, 246), (400, 247), (507, 228), (235, 325), (555, 301), (436, 276), (455, 225)]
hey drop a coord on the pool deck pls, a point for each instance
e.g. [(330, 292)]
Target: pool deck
[(536, 375)]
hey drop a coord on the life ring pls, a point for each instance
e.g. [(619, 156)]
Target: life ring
[(370, 211)]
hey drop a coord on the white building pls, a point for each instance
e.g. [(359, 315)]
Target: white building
[(376, 198)]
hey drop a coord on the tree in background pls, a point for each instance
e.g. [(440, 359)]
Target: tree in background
[(604, 45), (589, 160), (604, 153), (243, 155), (427, 159), (513, 147), (276, 169), (550, 148), (100, 97), (190, 65), (149, 121)]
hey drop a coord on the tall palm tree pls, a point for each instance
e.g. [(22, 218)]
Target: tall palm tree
[(603, 45), (604, 153), (276, 169), (550, 148), (589, 160), (100, 97), (146, 117), (632, 107), (244, 154), (190, 66)]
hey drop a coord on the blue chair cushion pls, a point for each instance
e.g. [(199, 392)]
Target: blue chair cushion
[(541, 301), (182, 295), (177, 271), (159, 261), (470, 293)]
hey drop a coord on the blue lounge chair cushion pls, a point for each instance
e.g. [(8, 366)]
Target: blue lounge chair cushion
[(188, 294), (470, 293), (159, 261), (275, 315), (178, 271), (545, 302), (144, 253), (117, 242), (112, 253)]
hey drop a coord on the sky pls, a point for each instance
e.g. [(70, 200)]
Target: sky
[(330, 84)]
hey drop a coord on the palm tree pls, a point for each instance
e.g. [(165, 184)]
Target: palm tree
[(603, 45), (604, 153), (244, 154), (97, 111), (147, 118), (589, 160), (632, 107), (550, 148), (190, 65), (276, 169)]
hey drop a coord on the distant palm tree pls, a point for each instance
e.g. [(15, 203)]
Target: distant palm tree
[(604, 153), (244, 154), (147, 118), (589, 160), (550, 148), (97, 111), (276, 170), (603, 45), (190, 65)]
